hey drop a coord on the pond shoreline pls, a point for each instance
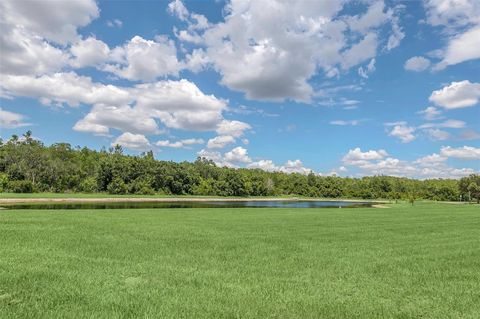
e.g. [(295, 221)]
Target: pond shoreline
[(171, 199)]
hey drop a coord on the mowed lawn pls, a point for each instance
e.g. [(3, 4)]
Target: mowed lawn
[(400, 262)]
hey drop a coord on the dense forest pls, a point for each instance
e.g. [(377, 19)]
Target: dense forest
[(27, 165)]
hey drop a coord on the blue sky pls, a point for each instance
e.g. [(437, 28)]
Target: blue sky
[(351, 88)]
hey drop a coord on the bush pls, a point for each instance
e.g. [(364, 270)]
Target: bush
[(20, 186), (88, 185), (141, 187), (3, 182), (117, 186)]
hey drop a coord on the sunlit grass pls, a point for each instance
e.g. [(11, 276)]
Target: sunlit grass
[(400, 262)]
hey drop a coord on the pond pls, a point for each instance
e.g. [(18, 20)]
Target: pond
[(190, 204)]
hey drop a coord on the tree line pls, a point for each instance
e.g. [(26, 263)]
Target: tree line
[(28, 166)]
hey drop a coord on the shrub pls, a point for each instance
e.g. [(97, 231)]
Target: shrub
[(3, 182), (88, 185), (141, 187), (117, 186), (20, 186)]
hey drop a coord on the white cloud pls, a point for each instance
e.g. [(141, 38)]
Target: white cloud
[(431, 160), (445, 124), (291, 166), (460, 20), (220, 141), (192, 141), (124, 118), (344, 123), (417, 63), (403, 132), (145, 60), (431, 166), (397, 35), (9, 120), (23, 53), (216, 157), (177, 104), (52, 20), (361, 51), (356, 156), (131, 141), (266, 165), (452, 13), (258, 54), (64, 88), (463, 47), (457, 95), (369, 69), (233, 128), (115, 23), (294, 166), (431, 113), (438, 135), (89, 52), (465, 152), (180, 105), (238, 155), (180, 144), (177, 8)]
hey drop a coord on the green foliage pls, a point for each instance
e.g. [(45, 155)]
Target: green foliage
[(469, 188), (3, 182), (20, 186), (117, 186), (88, 185), (28, 165)]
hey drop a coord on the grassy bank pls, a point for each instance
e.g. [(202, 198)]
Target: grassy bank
[(402, 262)]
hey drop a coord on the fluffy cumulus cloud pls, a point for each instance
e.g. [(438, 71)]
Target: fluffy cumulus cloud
[(402, 131), (102, 118), (220, 141), (291, 166), (232, 128), (460, 21), (465, 152), (238, 155), (89, 52), (55, 21), (417, 63), (176, 104), (457, 95), (131, 141), (431, 166), (144, 60), (258, 54), (64, 88), (461, 48), (357, 157), (431, 113), (34, 32), (9, 120), (186, 143)]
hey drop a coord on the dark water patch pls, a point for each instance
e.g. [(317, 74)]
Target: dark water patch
[(191, 204)]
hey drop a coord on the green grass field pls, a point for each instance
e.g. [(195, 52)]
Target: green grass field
[(402, 262)]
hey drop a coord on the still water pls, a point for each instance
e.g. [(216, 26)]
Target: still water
[(191, 204)]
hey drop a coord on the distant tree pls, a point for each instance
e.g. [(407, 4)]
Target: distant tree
[(411, 198), (26, 165), (474, 190)]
